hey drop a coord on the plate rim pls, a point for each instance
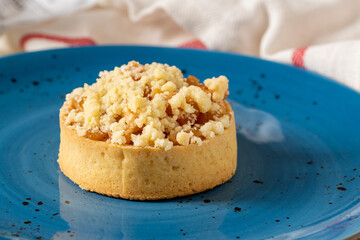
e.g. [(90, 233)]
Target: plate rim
[(190, 50)]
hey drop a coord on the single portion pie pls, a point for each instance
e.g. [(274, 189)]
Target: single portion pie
[(145, 132)]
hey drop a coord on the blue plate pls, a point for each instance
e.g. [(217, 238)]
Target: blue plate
[(298, 154)]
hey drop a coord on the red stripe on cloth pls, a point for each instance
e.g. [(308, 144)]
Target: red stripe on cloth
[(193, 44), (66, 40), (298, 57)]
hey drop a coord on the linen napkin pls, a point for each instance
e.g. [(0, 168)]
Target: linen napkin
[(322, 36)]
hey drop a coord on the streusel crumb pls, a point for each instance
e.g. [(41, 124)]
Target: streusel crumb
[(148, 105)]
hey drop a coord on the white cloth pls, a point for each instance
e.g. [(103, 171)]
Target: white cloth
[(322, 36)]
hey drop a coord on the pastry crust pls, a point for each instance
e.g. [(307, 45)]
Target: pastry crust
[(147, 173)]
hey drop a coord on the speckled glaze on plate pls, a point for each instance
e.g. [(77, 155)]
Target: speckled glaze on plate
[(298, 154)]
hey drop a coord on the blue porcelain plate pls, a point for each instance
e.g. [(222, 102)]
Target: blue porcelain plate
[(298, 154)]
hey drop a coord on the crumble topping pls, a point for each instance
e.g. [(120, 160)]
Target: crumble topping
[(148, 105)]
